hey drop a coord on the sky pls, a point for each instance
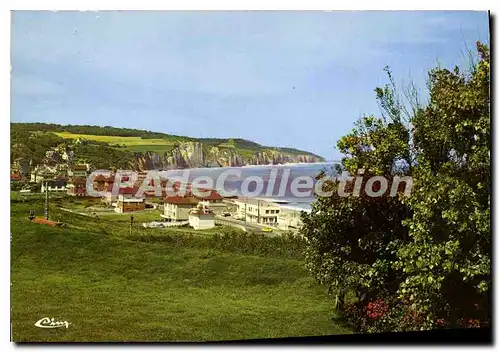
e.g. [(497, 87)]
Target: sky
[(288, 79)]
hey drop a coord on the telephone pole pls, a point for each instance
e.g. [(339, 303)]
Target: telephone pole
[(245, 215), (46, 200), (131, 223), (258, 211)]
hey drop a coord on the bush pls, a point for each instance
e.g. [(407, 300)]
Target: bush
[(422, 261)]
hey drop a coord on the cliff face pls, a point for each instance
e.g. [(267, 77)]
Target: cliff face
[(194, 154)]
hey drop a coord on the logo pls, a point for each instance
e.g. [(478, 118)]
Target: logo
[(51, 323)]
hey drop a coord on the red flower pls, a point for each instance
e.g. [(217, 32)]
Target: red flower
[(376, 309), (440, 322)]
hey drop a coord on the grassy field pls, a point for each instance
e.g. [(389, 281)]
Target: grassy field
[(154, 286), (162, 145), (135, 144)]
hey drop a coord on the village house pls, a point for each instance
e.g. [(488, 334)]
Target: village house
[(21, 166), (111, 198), (81, 170), (177, 208), (101, 182), (42, 173), (54, 186), (77, 186), (15, 177), (201, 217), (126, 203)]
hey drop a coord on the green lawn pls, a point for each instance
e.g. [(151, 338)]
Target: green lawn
[(114, 287), (134, 144), (162, 145)]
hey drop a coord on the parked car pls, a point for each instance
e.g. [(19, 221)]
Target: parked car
[(153, 224)]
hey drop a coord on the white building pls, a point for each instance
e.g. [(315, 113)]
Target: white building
[(257, 211), (178, 208), (81, 170), (42, 173), (201, 218), (54, 186), (126, 204), (290, 215)]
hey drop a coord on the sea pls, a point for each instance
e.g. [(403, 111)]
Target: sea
[(280, 190)]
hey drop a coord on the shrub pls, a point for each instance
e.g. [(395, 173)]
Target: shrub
[(423, 261)]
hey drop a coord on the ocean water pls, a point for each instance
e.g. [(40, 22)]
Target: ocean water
[(280, 189)]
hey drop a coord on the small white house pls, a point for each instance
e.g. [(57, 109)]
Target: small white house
[(201, 217), (54, 186)]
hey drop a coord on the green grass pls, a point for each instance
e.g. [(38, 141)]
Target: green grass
[(114, 287), (162, 145), (134, 144)]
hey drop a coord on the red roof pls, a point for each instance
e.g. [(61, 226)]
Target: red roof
[(213, 196), (101, 178), (181, 200), (128, 190), (15, 176), (124, 190), (79, 181)]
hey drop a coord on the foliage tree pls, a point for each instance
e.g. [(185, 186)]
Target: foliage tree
[(352, 239), (447, 262), (404, 258)]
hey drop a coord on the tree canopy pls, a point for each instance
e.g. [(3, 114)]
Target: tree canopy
[(419, 261)]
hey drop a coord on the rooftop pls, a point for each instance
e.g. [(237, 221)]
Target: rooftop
[(181, 200)]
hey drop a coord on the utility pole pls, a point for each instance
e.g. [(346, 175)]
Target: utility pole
[(245, 215), (131, 223), (46, 200), (258, 211)]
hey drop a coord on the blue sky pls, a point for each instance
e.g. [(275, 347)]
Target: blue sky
[(290, 79)]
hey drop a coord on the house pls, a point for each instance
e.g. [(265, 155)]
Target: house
[(77, 186), (126, 204), (290, 215), (21, 166), (68, 156), (42, 173), (257, 211), (213, 197), (15, 177), (54, 186), (177, 208), (201, 217), (101, 182), (111, 198), (80, 170)]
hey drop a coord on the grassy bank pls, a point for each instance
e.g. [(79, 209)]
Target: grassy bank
[(156, 285)]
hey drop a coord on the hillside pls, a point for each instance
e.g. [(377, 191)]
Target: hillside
[(121, 147), (158, 285)]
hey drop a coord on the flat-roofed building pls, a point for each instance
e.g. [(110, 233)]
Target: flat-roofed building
[(290, 215), (201, 217), (257, 211), (54, 186)]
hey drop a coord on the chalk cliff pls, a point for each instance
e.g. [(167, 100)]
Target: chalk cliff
[(195, 154)]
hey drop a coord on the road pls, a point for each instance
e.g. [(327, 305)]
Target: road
[(248, 226)]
